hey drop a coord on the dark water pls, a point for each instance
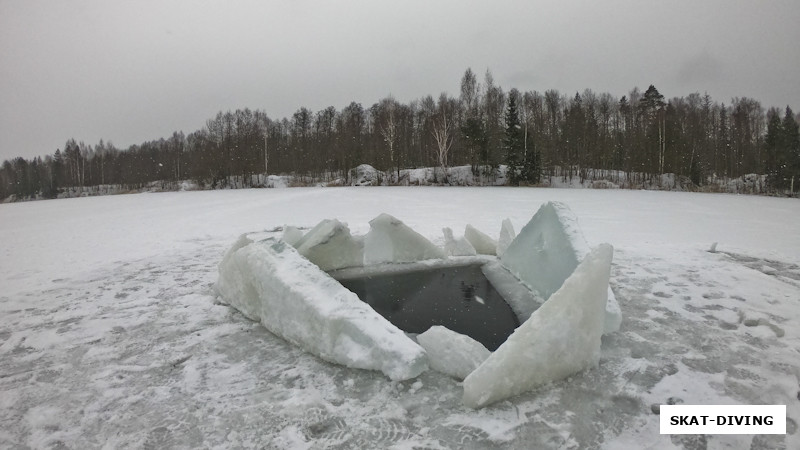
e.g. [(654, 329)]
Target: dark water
[(449, 296)]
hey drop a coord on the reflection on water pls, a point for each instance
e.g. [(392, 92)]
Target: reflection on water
[(459, 298)]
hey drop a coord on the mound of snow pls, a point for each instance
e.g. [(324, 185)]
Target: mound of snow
[(547, 251), (561, 338), (456, 247), (278, 181), (391, 241), (188, 186), (330, 246), (269, 281), (451, 353), (483, 244), (365, 175)]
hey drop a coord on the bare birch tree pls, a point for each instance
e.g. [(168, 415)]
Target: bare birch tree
[(389, 131), (443, 134)]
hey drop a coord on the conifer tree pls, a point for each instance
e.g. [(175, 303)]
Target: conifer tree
[(513, 142), (532, 167), (773, 144), (791, 145), (654, 106)]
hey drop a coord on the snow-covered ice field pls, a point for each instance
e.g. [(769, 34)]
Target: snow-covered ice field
[(110, 335)]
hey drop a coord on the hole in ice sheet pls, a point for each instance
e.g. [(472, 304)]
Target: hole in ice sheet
[(459, 298)]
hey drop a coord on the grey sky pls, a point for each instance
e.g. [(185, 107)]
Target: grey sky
[(130, 71)]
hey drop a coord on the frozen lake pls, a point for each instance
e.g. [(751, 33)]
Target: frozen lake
[(110, 335)]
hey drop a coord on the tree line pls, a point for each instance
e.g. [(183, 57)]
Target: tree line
[(535, 134)]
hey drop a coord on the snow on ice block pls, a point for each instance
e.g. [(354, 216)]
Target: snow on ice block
[(330, 246), (561, 338), (483, 244), (269, 281), (452, 353), (456, 247), (507, 236), (391, 241), (547, 250)]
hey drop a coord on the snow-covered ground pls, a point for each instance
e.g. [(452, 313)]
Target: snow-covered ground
[(110, 334)]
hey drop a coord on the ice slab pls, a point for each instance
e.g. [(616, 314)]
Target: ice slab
[(292, 235), (546, 252), (522, 300), (269, 281), (507, 235), (451, 353), (391, 241), (483, 244), (561, 338), (372, 270), (456, 247), (330, 246), (613, 313), (310, 234)]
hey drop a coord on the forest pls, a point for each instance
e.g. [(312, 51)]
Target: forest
[(534, 134)]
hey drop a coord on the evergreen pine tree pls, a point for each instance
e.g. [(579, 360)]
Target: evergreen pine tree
[(791, 144), (56, 174), (474, 138), (513, 142), (532, 167), (655, 108), (652, 100), (773, 144)]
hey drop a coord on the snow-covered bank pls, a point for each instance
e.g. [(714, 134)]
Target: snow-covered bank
[(109, 334), (556, 177), (366, 175)]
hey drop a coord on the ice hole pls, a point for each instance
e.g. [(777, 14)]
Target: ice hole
[(459, 298), (348, 299)]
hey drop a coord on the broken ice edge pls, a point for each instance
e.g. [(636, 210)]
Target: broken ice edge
[(556, 285)]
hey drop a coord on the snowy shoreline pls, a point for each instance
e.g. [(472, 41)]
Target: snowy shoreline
[(366, 175)]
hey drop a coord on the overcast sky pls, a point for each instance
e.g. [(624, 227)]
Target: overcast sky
[(131, 71)]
